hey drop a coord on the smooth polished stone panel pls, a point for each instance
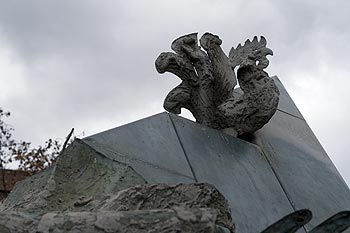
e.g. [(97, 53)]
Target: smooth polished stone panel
[(150, 146), (239, 170), (305, 171), (286, 103)]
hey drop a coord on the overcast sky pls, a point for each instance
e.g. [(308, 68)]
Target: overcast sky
[(90, 64)]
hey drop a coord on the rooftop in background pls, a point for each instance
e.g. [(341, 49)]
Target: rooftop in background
[(8, 179)]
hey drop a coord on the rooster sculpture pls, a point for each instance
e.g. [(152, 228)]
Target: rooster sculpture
[(209, 79)]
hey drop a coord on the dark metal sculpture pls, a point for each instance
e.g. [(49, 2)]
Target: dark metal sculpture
[(293, 222), (208, 82), (290, 223)]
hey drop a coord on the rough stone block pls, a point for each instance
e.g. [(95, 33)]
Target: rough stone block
[(197, 220), (141, 221), (14, 222), (161, 196), (80, 175)]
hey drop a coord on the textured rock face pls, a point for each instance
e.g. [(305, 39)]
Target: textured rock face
[(142, 221), (208, 81), (161, 196), (81, 175), (87, 192), (11, 222), (163, 220)]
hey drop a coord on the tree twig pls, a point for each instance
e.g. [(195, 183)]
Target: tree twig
[(67, 140)]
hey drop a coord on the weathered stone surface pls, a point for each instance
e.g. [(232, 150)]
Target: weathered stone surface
[(15, 222), (83, 183), (30, 195), (161, 196), (142, 221), (80, 175), (156, 220), (208, 81), (176, 219)]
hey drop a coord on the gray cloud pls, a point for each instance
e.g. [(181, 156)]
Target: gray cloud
[(90, 64)]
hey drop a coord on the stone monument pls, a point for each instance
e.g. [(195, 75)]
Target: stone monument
[(249, 164)]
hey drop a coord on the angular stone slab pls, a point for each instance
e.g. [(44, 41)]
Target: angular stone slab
[(305, 171), (150, 146), (286, 103), (239, 170)]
